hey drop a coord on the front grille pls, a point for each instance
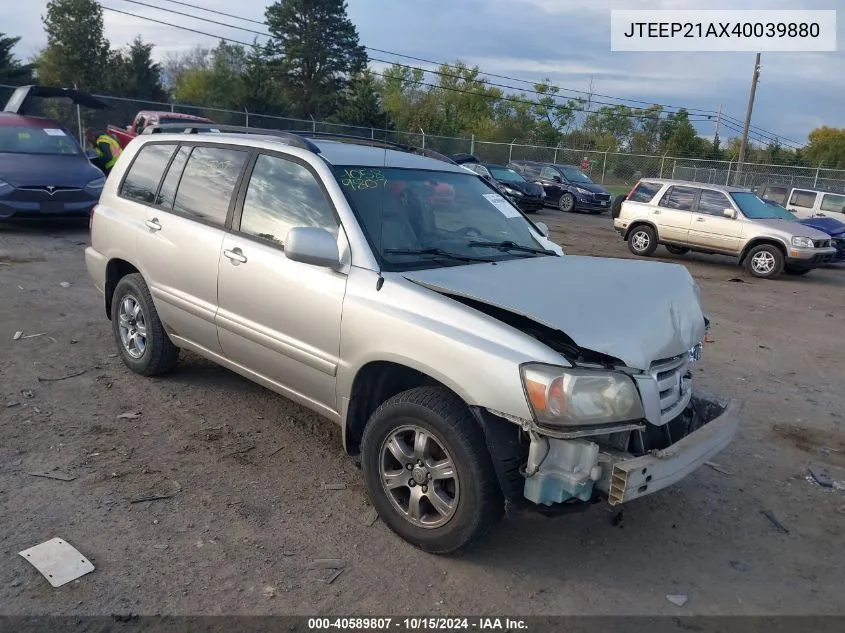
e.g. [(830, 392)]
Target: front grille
[(673, 385), (821, 243), (601, 197), (42, 194)]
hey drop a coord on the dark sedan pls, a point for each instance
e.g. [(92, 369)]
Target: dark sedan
[(43, 171), (528, 196), (566, 186)]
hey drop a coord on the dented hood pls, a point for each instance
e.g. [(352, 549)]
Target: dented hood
[(636, 311)]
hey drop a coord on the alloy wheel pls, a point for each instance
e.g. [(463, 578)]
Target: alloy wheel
[(133, 327)]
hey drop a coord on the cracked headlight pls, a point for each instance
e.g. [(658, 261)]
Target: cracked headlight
[(563, 397), (802, 242), (582, 190), (511, 192)]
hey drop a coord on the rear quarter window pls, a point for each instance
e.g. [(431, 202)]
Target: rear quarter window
[(645, 192), (142, 178), (803, 198)]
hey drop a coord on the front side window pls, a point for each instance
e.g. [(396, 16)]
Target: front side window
[(833, 203), (679, 198), (549, 174), (712, 202), (143, 177), (208, 183), (804, 199), (417, 219), (25, 139), (282, 195)]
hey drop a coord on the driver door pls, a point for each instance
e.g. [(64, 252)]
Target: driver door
[(551, 182), (710, 228)]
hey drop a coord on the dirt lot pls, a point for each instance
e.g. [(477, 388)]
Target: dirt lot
[(246, 467)]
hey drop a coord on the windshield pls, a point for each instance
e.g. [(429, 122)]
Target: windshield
[(24, 139), (574, 175), (756, 209), (415, 210), (504, 174)]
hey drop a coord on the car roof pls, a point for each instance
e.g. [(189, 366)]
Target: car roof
[(700, 185), (9, 118), (336, 153), (543, 163)]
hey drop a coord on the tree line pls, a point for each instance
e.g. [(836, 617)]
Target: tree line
[(313, 65)]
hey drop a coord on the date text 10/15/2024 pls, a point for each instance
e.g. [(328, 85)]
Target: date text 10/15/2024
[(418, 624)]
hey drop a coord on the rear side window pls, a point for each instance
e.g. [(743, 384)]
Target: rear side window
[(141, 181), (208, 183), (803, 198), (167, 194), (644, 192), (679, 198), (833, 203)]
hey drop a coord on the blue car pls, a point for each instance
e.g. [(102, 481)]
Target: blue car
[(44, 172), (834, 228)]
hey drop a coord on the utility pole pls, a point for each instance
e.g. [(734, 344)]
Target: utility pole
[(754, 79), (718, 121)]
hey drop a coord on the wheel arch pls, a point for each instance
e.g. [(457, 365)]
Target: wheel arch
[(116, 269), (637, 223), (758, 241)]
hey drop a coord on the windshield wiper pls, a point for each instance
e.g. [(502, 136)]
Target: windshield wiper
[(439, 252), (513, 246)]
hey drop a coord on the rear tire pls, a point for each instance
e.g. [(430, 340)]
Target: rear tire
[(642, 240), (141, 340), (764, 261), (616, 206), (450, 511), (677, 250)]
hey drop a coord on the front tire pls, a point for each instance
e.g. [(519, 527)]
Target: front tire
[(428, 472), (765, 261), (141, 340), (567, 202), (642, 240)]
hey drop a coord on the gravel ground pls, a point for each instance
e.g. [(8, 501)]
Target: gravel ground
[(244, 471)]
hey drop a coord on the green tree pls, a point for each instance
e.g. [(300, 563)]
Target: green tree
[(262, 93), (362, 104), (827, 147), (316, 51), (77, 51), (134, 74), (553, 117), (12, 71)]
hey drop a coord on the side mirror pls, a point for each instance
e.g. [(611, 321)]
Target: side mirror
[(557, 179), (729, 213), (313, 246), (129, 128), (544, 230)]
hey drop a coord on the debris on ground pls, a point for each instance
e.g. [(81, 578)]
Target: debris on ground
[(737, 280), (12, 404), (678, 599), (56, 474), (708, 338), (129, 415), (617, 519), (278, 450), (152, 497), (65, 284), (739, 565), (269, 592), (820, 476), (334, 486), (27, 393), (33, 335), (58, 561), (17, 335), (370, 518), (719, 469), (774, 520), (72, 375), (327, 563)]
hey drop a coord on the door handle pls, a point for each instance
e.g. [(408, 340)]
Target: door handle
[(153, 224), (820, 215), (656, 212), (235, 255), (700, 220)]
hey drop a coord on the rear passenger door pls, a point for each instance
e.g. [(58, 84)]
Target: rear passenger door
[(279, 320), (710, 228), (801, 202), (673, 214), (182, 237)]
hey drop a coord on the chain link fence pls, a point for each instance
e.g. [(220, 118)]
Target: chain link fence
[(612, 169)]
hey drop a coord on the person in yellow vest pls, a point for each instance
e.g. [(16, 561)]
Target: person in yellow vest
[(107, 148)]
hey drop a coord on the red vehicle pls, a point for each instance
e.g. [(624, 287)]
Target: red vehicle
[(145, 118)]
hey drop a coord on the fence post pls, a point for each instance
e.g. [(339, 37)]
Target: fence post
[(728, 177), (423, 137), (372, 133), (674, 164), (472, 145), (555, 158), (662, 160), (603, 167), (246, 112), (510, 152), (816, 180), (313, 124)]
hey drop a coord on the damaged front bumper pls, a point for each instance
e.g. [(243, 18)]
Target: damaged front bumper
[(562, 470)]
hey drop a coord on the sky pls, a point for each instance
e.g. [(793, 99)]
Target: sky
[(567, 41)]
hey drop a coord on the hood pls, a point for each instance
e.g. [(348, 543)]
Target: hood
[(31, 170), (636, 311), (791, 227), (590, 186), (528, 188), (832, 227)]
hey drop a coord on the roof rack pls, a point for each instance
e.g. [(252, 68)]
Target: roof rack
[(293, 139)]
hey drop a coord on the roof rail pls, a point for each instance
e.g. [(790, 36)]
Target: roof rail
[(293, 139), (359, 140)]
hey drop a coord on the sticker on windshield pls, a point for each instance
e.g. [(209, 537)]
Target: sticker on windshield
[(357, 179), (502, 205), (53, 131)]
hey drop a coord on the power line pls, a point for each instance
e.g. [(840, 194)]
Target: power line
[(436, 86)]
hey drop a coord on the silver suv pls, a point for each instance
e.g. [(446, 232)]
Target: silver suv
[(469, 363), (685, 216)]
